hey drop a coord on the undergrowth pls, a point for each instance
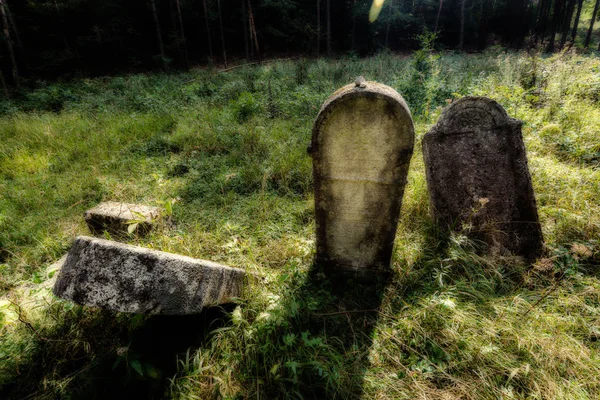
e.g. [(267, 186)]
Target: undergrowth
[(228, 149)]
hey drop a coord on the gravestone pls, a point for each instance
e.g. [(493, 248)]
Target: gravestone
[(362, 142), (126, 278), (116, 218), (478, 178)]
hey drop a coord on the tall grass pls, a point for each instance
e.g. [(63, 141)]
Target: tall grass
[(230, 150)]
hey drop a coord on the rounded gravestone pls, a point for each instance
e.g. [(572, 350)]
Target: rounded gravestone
[(362, 142), (478, 179)]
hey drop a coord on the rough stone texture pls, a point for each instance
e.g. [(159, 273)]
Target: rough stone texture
[(477, 175), (362, 142), (126, 278), (116, 217)]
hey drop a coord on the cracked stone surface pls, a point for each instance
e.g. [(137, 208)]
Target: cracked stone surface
[(362, 143), (478, 179), (133, 279)]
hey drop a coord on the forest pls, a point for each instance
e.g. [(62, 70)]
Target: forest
[(75, 38), (205, 110)]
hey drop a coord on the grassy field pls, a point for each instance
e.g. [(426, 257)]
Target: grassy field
[(228, 151)]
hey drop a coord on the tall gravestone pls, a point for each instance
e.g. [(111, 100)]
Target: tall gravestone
[(362, 142), (477, 175)]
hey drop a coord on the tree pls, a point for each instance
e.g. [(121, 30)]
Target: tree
[(208, 37), (556, 17), (12, 24), (354, 27), (253, 36), (159, 40), (576, 22), (318, 27), (183, 43), (9, 44), (328, 27), (222, 33), (543, 17), (3, 83), (484, 23), (566, 25), (387, 28), (462, 25), (589, 34), (245, 24), (437, 18)]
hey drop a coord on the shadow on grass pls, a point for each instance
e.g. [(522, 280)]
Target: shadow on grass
[(318, 346), (131, 356)]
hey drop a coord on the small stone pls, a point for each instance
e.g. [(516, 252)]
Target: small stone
[(360, 82), (133, 279), (117, 218)]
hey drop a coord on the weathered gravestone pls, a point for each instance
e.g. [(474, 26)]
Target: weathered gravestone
[(362, 142), (116, 218), (126, 278), (477, 176)]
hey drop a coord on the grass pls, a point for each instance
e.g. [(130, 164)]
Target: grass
[(229, 150)]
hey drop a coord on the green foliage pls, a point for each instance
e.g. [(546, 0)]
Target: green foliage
[(232, 146), (245, 107)]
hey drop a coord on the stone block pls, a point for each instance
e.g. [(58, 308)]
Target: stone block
[(116, 218), (133, 279)]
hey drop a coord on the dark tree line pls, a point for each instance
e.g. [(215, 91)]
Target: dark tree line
[(49, 38)]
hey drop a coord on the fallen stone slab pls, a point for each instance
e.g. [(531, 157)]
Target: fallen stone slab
[(116, 218), (133, 279)]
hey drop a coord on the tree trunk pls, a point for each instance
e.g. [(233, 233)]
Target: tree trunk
[(389, 21), (484, 23), (245, 23), (318, 27), (11, 22), (254, 36), (183, 42), (222, 33), (462, 25), (328, 27), (60, 26), (210, 50), (175, 29), (437, 18), (538, 24), (557, 14), (524, 25), (567, 22), (159, 40), (545, 18), (354, 27), (3, 83), (589, 34), (576, 22), (9, 44)]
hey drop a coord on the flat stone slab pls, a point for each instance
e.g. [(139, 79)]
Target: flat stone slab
[(362, 143), (478, 180), (116, 218), (133, 279)]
